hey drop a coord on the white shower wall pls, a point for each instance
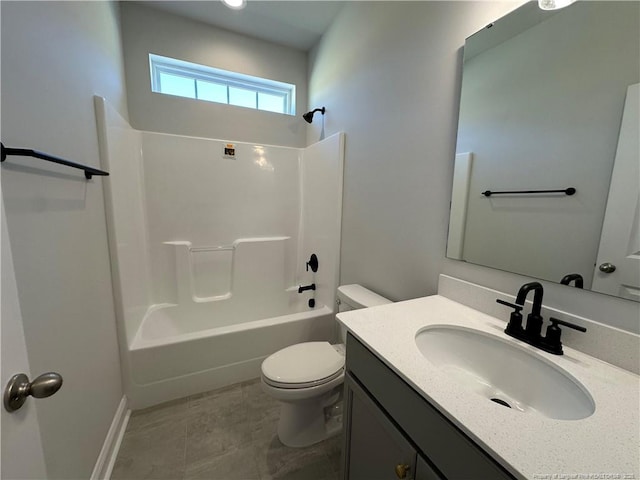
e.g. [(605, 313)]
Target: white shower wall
[(194, 193), (121, 156), (321, 218), (208, 252)]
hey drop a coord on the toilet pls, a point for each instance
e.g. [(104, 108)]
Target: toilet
[(307, 379)]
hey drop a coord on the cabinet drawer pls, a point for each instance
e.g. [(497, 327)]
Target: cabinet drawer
[(454, 454)]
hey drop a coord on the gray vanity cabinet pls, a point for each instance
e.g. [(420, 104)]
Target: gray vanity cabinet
[(392, 432), (376, 446), (424, 470)]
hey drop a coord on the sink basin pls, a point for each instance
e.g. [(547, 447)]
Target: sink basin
[(504, 372)]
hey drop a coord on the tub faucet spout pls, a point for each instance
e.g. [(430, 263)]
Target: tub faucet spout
[(306, 287)]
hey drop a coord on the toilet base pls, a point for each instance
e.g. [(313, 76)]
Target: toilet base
[(303, 424)]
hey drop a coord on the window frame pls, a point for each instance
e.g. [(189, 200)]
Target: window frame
[(193, 71)]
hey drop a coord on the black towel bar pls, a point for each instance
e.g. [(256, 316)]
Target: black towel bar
[(24, 152), (566, 191)]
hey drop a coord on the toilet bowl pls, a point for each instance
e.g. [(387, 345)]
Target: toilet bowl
[(307, 379)]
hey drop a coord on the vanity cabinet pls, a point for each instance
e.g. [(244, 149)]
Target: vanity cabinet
[(393, 432), (377, 448)]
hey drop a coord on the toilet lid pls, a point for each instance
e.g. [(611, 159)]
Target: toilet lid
[(303, 363)]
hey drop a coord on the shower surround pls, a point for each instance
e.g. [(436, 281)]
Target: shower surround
[(208, 250)]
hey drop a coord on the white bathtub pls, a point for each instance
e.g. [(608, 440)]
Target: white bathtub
[(226, 243), (173, 353)]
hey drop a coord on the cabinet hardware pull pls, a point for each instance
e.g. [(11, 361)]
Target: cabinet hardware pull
[(401, 470)]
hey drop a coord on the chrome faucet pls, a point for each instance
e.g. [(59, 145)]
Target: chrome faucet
[(531, 333)]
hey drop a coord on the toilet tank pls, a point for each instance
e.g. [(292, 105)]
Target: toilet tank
[(356, 296), (353, 297)]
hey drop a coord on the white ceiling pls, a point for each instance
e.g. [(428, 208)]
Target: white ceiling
[(298, 24)]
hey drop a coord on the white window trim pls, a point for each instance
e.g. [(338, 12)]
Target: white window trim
[(159, 64)]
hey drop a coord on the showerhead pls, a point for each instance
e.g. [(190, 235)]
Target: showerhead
[(308, 117)]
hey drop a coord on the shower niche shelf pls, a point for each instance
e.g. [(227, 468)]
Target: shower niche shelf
[(216, 273)]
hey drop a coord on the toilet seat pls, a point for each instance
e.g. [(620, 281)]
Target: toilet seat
[(295, 386), (303, 365)]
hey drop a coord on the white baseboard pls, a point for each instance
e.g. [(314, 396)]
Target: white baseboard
[(111, 446)]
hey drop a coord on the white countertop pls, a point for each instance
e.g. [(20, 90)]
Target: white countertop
[(529, 445)]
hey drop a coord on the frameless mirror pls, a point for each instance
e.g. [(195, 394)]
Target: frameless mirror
[(549, 105)]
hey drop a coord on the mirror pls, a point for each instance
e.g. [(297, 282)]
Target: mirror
[(542, 103)]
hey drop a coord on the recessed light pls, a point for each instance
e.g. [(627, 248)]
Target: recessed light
[(235, 4), (554, 4)]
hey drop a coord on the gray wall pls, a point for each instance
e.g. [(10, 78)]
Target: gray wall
[(389, 74), (55, 56), (147, 30)]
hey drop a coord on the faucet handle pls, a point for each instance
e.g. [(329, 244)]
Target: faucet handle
[(555, 321), (515, 306), (313, 263), (551, 342), (514, 327)]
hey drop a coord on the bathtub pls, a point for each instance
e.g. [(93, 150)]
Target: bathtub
[(174, 354), (207, 254)]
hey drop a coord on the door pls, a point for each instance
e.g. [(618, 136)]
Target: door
[(617, 270), (22, 454)]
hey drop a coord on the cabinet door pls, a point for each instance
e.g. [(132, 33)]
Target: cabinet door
[(376, 450), (424, 471), (454, 455)]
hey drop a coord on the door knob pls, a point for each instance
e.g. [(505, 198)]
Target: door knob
[(607, 267), (19, 388)]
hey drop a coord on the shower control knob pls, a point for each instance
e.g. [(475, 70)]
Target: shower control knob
[(313, 263), (607, 267), (19, 388)]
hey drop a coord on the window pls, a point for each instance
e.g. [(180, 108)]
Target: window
[(185, 79)]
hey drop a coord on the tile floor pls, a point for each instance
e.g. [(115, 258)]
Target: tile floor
[(227, 434)]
